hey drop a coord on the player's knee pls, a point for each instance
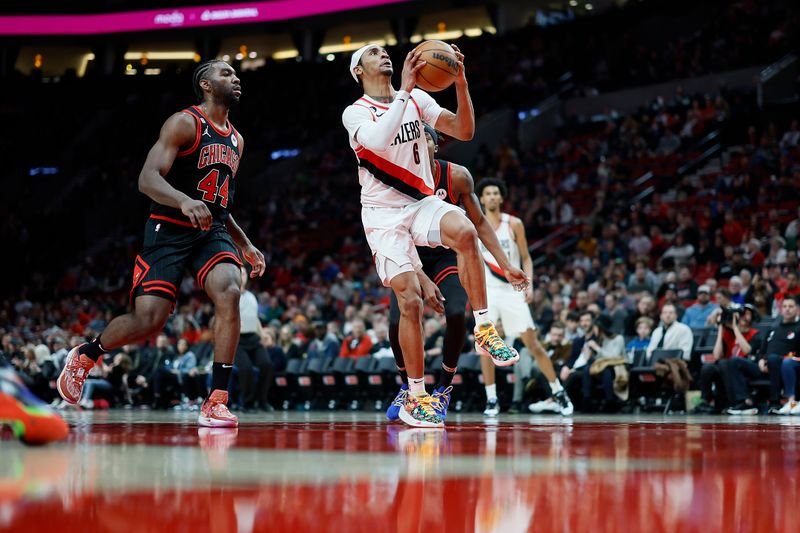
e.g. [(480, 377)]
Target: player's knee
[(227, 298), (466, 236), (153, 318), (411, 306)]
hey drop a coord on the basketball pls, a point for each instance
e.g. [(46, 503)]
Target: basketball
[(441, 68)]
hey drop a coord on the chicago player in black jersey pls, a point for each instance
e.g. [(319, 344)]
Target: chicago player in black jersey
[(453, 184), (190, 175)]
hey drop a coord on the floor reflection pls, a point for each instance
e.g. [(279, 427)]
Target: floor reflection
[(358, 475)]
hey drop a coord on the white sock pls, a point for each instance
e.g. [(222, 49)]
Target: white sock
[(481, 316), (416, 385), (491, 391), (555, 386)]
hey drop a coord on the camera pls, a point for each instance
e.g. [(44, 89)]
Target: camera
[(726, 317)]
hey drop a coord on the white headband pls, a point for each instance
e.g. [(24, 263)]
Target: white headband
[(356, 57)]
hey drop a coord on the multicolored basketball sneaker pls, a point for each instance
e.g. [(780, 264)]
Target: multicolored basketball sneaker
[(30, 419), (488, 342), (441, 401), (393, 411), (418, 411)]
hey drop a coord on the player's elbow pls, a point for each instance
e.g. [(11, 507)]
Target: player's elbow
[(144, 183)]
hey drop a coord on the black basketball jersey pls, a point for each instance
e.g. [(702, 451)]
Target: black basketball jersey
[(205, 171), (443, 189)]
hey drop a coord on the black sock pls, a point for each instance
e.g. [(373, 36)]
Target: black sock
[(454, 337), (403, 375), (446, 376), (220, 376), (93, 350)]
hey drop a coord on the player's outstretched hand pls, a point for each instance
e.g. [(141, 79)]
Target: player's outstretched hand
[(517, 278), (256, 259), (462, 73), (411, 66), (198, 213), (431, 294)]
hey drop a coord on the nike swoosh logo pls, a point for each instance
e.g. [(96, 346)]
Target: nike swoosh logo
[(227, 366), (379, 116)]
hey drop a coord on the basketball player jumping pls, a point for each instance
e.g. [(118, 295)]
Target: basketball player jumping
[(510, 306), (190, 174), (400, 210), (453, 184)]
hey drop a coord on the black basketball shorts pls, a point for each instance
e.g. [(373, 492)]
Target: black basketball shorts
[(173, 246)]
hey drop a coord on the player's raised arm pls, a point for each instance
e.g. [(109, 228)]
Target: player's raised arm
[(460, 124), (178, 131), (464, 186)]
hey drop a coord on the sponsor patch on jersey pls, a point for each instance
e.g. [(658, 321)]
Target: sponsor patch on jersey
[(790, 336), (441, 194), (234, 140)]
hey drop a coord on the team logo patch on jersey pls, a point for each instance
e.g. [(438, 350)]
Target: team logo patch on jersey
[(441, 194), (234, 140)]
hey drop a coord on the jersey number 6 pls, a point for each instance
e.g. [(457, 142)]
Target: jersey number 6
[(208, 186)]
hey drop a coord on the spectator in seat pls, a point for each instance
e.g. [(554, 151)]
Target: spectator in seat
[(382, 347), (783, 341), (754, 254), (580, 356), (735, 286), (681, 251), (607, 351), (640, 243), (642, 280), (646, 306), (276, 355), (558, 349), (572, 328), (670, 335), (696, 316), (324, 344), (687, 287), (735, 338), (358, 343), (644, 328), (288, 343), (615, 312)]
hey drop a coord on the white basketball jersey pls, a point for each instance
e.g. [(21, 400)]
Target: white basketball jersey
[(401, 174), (509, 245)]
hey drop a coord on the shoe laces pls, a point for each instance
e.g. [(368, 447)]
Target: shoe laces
[(487, 336), (441, 400), (400, 398), (220, 410), (426, 403), (78, 364)]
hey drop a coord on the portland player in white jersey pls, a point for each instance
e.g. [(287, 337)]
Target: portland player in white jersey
[(506, 304), (400, 210)]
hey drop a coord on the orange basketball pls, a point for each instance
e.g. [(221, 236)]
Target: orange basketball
[(441, 68)]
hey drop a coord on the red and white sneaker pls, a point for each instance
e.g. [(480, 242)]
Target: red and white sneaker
[(76, 370), (215, 413)]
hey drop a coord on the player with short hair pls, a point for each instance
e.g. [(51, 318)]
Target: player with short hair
[(190, 175), (506, 304), (453, 184), (400, 210)]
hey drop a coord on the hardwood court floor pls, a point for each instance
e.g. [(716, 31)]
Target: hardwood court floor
[(133, 471)]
